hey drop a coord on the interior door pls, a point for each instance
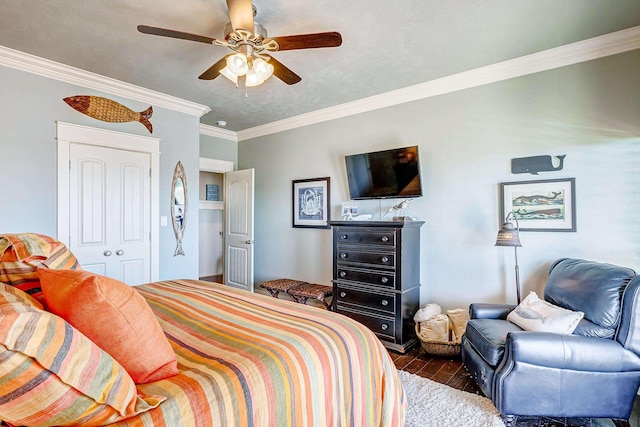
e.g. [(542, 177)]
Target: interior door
[(239, 239), (109, 212)]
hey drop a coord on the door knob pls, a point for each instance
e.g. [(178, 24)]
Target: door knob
[(250, 242), (119, 252), (106, 253)]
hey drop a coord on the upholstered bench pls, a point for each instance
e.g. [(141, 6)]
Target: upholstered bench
[(302, 292), (280, 285)]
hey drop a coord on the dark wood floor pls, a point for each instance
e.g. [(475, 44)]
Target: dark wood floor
[(449, 371), (445, 370)]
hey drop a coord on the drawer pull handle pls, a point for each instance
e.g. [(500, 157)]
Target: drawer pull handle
[(385, 259), (344, 237), (385, 302), (343, 294), (343, 255), (343, 273), (384, 326), (385, 239), (384, 280)]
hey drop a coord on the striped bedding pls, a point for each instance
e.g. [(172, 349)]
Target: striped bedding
[(251, 360)]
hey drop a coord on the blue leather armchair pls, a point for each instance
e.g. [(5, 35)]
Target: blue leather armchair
[(595, 372)]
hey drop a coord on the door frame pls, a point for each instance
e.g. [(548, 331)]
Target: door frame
[(222, 167), (68, 133)]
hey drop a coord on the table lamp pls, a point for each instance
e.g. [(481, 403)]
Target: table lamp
[(509, 236)]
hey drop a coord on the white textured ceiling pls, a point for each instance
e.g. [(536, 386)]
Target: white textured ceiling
[(387, 44)]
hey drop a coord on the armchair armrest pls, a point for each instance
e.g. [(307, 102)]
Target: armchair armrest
[(570, 352), (490, 311)]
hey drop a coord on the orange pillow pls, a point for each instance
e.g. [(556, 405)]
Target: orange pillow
[(115, 317)]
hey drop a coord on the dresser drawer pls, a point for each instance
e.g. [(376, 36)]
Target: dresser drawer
[(347, 255), (368, 300), (385, 237), (383, 327), (378, 278)]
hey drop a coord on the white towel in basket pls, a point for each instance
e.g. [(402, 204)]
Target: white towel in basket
[(436, 328), (427, 312), (459, 318)]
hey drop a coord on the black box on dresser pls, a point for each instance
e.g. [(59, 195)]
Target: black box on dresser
[(376, 277)]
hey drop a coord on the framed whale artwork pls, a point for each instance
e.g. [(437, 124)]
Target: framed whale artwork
[(543, 205)]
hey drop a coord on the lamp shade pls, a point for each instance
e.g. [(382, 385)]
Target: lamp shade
[(263, 69), (237, 64), (508, 236), (228, 74)]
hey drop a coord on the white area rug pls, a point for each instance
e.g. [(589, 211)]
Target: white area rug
[(438, 405)]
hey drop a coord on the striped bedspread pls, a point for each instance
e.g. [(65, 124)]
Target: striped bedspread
[(252, 360)]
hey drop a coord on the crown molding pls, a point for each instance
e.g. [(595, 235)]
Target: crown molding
[(218, 133), (574, 53), (57, 71)]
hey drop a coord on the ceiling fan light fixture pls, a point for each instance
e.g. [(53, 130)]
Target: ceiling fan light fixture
[(253, 79), (238, 64), (263, 68), (228, 74)]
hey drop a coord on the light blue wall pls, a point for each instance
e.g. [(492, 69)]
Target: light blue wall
[(589, 111), (30, 105), (219, 149)]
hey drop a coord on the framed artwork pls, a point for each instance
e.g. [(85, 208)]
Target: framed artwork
[(311, 203), (543, 205)]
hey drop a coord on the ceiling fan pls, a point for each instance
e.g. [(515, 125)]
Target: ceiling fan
[(248, 40)]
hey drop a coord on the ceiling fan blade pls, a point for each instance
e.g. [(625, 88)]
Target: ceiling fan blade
[(241, 14), (175, 34), (308, 41), (283, 73), (214, 71)]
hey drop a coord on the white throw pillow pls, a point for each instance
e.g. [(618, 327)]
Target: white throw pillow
[(534, 314)]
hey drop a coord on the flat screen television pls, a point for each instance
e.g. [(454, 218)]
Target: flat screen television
[(384, 174)]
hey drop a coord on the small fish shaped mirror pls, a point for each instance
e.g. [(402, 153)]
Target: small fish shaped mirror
[(179, 203)]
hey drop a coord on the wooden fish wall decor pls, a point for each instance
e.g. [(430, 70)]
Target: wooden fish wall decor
[(109, 111)]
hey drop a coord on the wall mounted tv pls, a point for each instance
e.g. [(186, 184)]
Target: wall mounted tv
[(384, 174)]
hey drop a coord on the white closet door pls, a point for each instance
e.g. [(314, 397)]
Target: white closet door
[(109, 211)]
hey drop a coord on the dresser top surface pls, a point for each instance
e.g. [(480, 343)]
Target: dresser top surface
[(376, 223)]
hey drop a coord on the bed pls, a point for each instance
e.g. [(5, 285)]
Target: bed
[(252, 360), (243, 359)]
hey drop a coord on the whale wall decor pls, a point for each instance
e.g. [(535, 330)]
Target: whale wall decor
[(536, 164)]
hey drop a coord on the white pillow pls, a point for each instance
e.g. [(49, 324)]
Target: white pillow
[(534, 314)]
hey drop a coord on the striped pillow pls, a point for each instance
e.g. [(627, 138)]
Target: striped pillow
[(22, 254), (52, 375), (10, 294)]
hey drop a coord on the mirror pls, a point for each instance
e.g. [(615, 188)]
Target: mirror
[(179, 203)]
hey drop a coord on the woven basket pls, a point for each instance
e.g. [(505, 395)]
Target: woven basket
[(438, 348)]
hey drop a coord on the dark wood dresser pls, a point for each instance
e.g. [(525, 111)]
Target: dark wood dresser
[(376, 277)]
